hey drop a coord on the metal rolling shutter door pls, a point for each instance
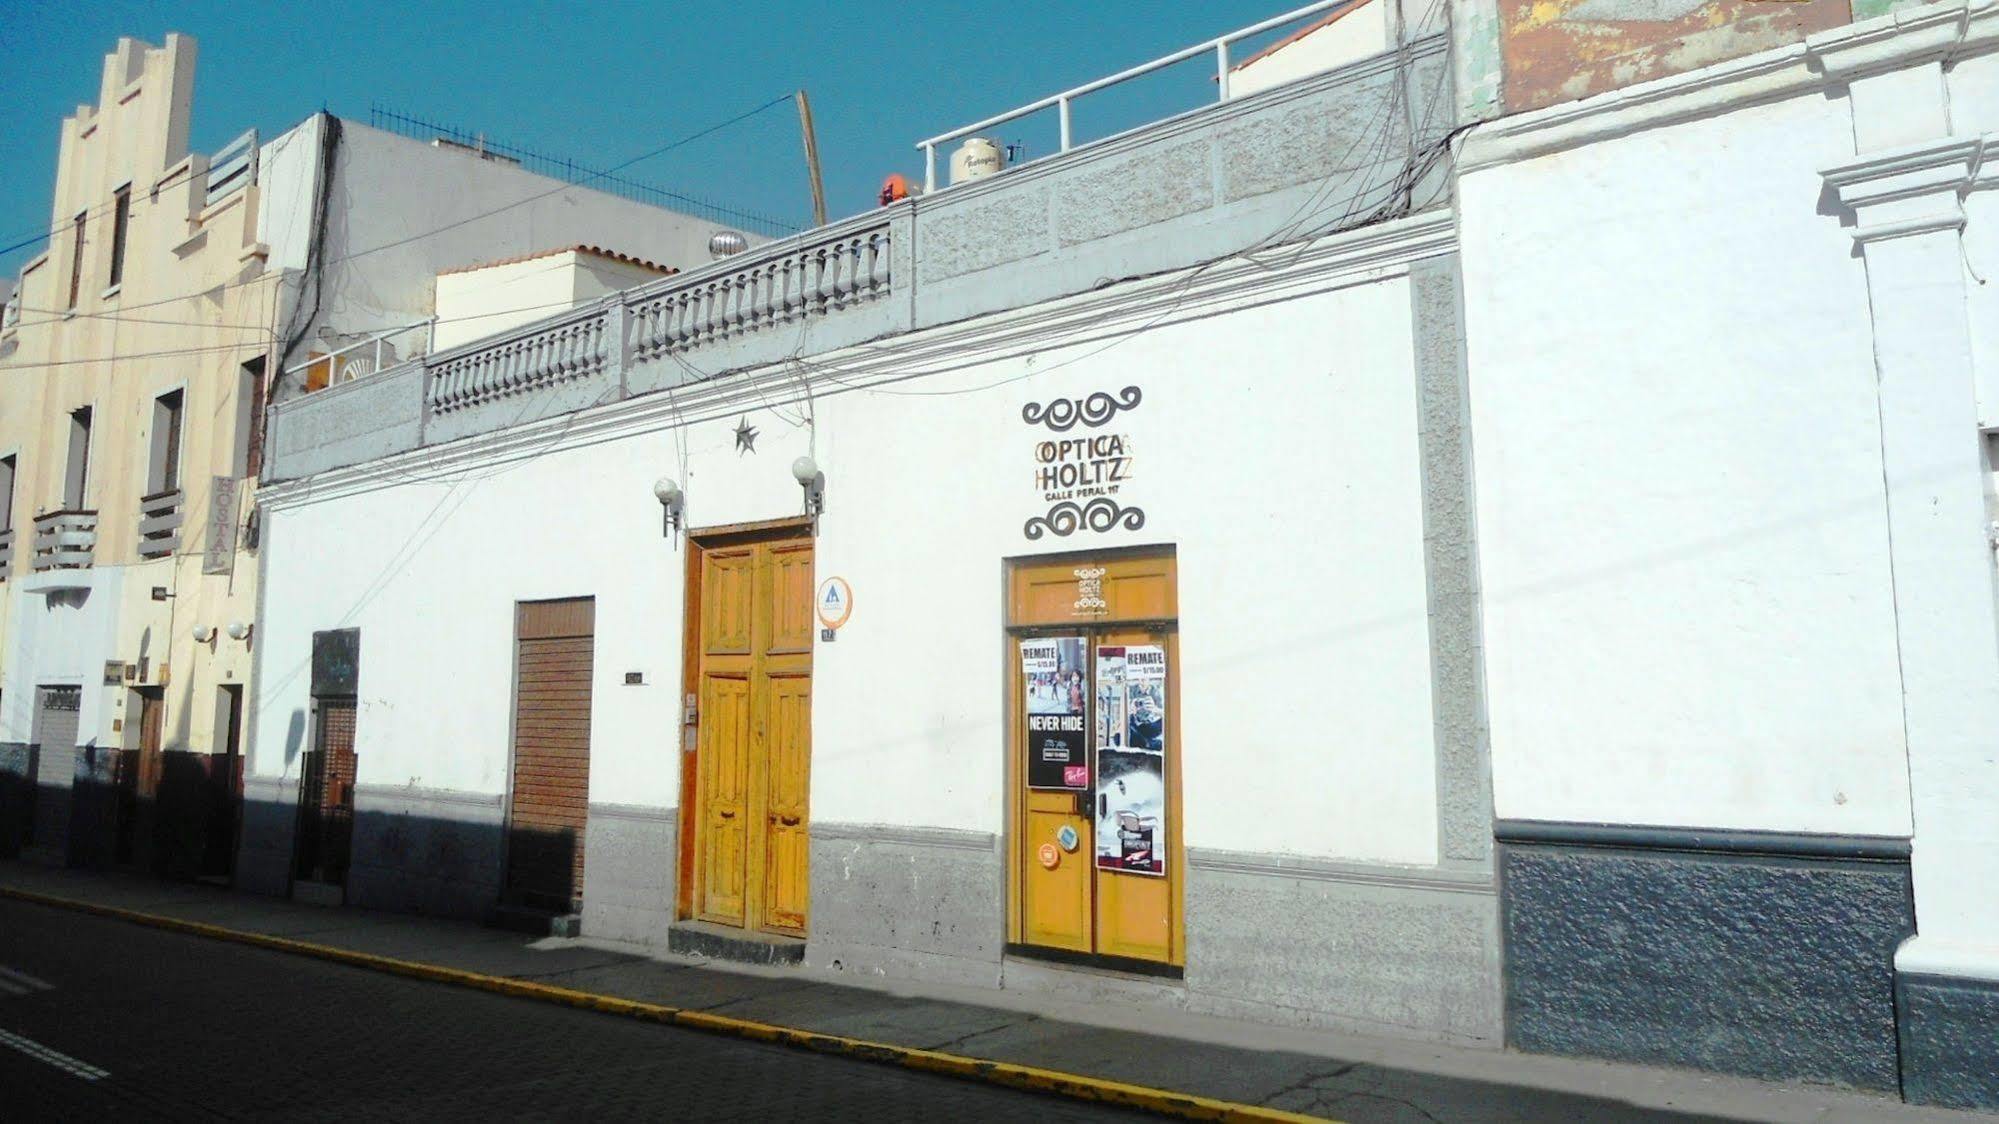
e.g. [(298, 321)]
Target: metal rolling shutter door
[(551, 781), (55, 770)]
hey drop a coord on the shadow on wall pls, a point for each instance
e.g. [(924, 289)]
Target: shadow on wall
[(408, 852), (175, 816)]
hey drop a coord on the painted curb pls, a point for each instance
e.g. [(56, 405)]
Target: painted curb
[(1187, 1106)]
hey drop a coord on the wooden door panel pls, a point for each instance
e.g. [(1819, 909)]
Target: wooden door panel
[(725, 792), (728, 580), (790, 592), (786, 858), (1055, 904)]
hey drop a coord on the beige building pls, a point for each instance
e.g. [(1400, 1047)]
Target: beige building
[(128, 408), (177, 294)]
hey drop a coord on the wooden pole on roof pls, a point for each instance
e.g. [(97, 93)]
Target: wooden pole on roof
[(812, 159)]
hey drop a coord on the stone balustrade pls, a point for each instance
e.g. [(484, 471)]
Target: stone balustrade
[(775, 288), (1196, 187), (544, 356)]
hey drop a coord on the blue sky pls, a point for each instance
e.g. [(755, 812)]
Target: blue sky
[(601, 83)]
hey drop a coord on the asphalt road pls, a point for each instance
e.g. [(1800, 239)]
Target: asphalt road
[(183, 1028)]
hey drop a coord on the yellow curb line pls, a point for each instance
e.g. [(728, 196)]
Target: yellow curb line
[(1032, 1078)]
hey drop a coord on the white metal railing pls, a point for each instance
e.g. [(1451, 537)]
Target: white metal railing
[(555, 353), (232, 169), (1219, 47), (65, 539), (788, 281), (362, 357)]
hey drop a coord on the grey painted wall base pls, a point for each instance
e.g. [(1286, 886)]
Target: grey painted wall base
[(1950, 1041), (17, 795), (1767, 965), (906, 903), (426, 851), (1377, 950), (631, 858), (270, 825)]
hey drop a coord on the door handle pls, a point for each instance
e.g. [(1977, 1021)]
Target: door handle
[(788, 821), (725, 815)]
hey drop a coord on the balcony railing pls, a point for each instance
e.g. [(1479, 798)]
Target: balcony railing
[(232, 169), (6, 552), (798, 282), (159, 524), (65, 540), (570, 349)]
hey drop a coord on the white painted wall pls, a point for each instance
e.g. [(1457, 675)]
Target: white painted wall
[(482, 302), (1689, 609), (1305, 691), (404, 211), (1359, 33), (62, 640)]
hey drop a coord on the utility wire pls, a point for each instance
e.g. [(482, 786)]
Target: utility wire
[(557, 190)]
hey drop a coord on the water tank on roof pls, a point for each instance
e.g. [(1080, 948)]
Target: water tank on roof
[(977, 158)]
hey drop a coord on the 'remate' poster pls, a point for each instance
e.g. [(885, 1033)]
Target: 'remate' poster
[(1056, 678), (1131, 759)]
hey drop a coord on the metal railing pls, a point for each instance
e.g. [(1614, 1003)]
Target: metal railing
[(1218, 46), (159, 523), (362, 357), (556, 167), (65, 540), (232, 169), (6, 552)]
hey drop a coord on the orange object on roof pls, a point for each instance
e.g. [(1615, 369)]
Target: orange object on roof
[(894, 188)]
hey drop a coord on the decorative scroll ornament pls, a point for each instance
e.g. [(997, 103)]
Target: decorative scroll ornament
[(1061, 415), (1068, 517)]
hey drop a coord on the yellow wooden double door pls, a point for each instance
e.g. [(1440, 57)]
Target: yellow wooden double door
[(1062, 900), (754, 748)]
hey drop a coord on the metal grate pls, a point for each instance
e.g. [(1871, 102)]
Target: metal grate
[(561, 168)]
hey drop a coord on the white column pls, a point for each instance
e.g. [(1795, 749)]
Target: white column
[(1906, 194)]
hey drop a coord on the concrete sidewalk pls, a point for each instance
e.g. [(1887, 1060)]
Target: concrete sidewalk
[(1346, 1077)]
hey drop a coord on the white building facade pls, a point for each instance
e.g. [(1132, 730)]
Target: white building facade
[(1522, 585)]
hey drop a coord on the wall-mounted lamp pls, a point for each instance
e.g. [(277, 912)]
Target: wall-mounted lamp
[(203, 633), (672, 502), (805, 470), (237, 630)]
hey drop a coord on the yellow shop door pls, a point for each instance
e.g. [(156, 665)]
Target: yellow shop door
[(1097, 867), (753, 750)]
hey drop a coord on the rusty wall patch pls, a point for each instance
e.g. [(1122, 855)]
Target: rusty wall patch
[(1561, 50)]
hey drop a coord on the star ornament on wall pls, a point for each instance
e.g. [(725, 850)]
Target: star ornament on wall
[(746, 436)]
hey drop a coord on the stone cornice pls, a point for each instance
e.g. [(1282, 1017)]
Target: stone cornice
[(1287, 272), (1824, 61), (1893, 41), (1915, 189)]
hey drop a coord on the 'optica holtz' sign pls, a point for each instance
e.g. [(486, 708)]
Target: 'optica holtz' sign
[(1081, 475)]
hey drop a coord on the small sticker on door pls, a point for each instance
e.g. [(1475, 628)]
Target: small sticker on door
[(1049, 856), (1068, 837)]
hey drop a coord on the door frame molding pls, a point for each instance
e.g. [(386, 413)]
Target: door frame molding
[(699, 541)]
